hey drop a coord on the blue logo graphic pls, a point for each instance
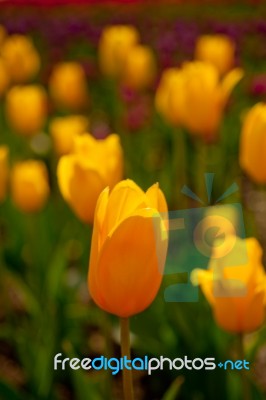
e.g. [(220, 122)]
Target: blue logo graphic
[(194, 234)]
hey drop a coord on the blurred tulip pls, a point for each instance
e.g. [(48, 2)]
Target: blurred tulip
[(128, 250), (4, 171), (2, 34), (235, 286), (115, 44), (21, 58), (253, 143), (194, 97), (171, 86), (218, 219), (83, 174), (4, 78), (29, 185), (139, 68), (218, 49), (65, 129), (68, 86), (26, 109)]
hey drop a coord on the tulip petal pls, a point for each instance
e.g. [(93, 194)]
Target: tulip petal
[(85, 187), (238, 314), (250, 268), (129, 264), (65, 169), (156, 198), (97, 240), (205, 280), (253, 143), (125, 198), (157, 201), (254, 315), (230, 81), (226, 314)]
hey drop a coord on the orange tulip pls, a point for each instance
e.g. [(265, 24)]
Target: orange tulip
[(253, 143), (115, 44), (4, 171), (83, 174), (29, 185), (237, 293), (21, 58), (68, 86), (65, 129), (139, 68), (128, 250), (194, 97), (218, 49), (26, 109)]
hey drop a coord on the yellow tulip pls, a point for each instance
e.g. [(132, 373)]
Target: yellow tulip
[(29, 185), (4, 77), (218, 49), (253, 143), (235, 288), (169, 92), (139, 68), (68, 86), (65, 129), (83, 174), (128, 250), (4, 171), (115, 44), (26, 109), (195, 97), (21, 58)]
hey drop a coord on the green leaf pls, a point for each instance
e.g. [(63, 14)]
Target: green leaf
[(57, 268)]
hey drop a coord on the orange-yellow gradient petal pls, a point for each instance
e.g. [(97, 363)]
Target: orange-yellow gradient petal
[(20, 57), (29, 185), (64, 130), (87, 170), (128, 250), (115, 44), (26, 109), (218, 50), (68, 86), (253, 143), (236, 291), (195, 97)]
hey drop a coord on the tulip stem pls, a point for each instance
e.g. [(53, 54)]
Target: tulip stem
[(125, 352), (244, 378)]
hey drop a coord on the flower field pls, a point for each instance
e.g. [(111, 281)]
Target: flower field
[(132, 199)]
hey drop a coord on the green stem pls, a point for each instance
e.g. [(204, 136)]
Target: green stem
[(108, 349), (125, 352), (207, 161), (243, 373)]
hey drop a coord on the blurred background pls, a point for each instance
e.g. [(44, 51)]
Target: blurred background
[(63, 72)]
